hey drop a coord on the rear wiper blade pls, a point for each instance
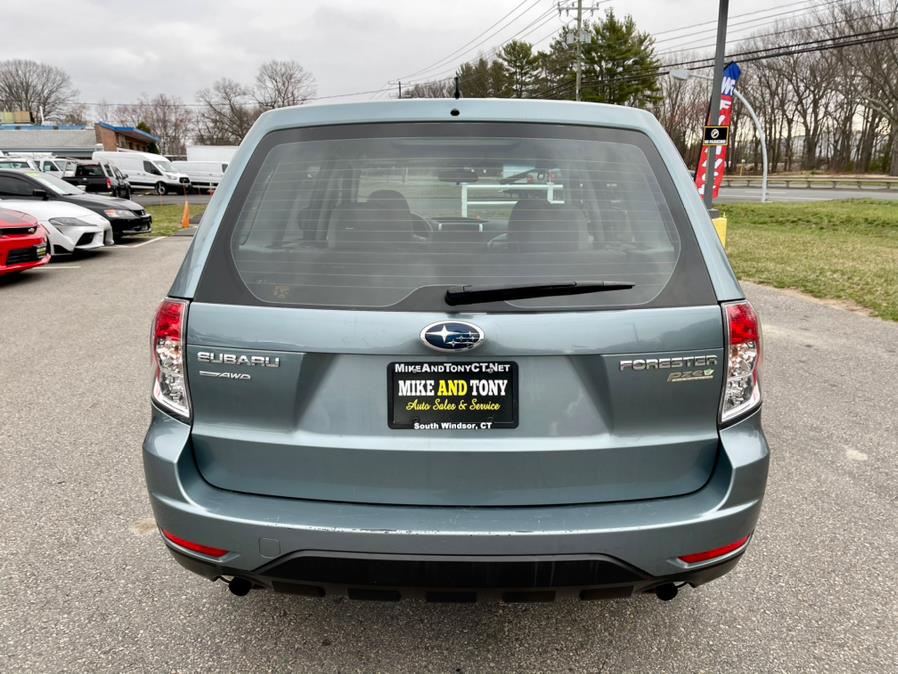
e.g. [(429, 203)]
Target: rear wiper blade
[(477, 294)]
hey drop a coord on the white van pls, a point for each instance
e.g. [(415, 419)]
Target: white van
[(202, 174), (10, 161), (146, 171)]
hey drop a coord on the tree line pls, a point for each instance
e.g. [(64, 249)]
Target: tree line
[(618, 66), (823, 108), (832, 110)]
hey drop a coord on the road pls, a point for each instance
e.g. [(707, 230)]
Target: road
[(728, 195), (87, 585)]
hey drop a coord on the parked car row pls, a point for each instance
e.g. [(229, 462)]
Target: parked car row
[(120, 173), (67, 218)]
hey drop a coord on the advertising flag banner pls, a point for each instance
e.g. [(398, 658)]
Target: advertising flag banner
[(730, 77)]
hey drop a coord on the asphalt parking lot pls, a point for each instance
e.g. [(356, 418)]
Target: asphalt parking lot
[(86, 584)]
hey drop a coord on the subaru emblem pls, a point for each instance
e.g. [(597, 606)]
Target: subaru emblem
[(452, 336)]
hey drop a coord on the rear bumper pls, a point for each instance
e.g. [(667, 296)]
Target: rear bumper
[(644, 538), (463, 580)]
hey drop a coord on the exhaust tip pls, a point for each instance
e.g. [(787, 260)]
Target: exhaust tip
[(666, 592), (240, 587)]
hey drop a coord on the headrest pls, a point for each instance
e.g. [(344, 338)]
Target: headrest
[(535, 225)]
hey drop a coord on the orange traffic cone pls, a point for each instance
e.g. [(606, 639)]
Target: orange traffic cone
[(185, 217)]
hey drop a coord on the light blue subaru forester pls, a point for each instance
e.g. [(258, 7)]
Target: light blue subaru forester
[(458, 349)]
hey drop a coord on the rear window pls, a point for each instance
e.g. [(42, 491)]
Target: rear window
[(94, 170), (393, 215)]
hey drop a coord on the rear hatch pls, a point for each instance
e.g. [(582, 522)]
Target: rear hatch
[(325, 362)]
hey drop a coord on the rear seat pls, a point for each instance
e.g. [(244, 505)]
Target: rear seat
[(383, 221), (537, 226)]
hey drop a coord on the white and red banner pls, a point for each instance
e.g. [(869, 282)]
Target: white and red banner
[(730, 77)]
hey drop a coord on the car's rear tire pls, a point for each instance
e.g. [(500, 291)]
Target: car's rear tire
[(161, 188)]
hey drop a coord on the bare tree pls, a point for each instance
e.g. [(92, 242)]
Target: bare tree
[(41, 89), (434, 89), (166, 116), (76, 114), (876, 62), (283, 83), (104, 111), (227, 113), (682, 110)]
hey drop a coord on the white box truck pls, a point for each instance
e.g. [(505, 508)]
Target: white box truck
[(204, 175), (222, 153), (147, 171)]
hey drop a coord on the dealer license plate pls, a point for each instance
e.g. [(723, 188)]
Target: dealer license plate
[(472, 396)]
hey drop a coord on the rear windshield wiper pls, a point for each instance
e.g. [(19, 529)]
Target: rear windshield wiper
[(477, 294)]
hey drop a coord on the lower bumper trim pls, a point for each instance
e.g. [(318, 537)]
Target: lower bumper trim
[(454, 581)]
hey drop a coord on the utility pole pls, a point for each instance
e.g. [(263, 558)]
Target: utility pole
[(579, 48), (716, 84), (579, 38), (400, 88)]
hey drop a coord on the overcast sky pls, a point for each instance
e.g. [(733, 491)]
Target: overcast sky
[(116, 50)]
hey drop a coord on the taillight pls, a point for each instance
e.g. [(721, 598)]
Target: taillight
[(108, 184), (170, 379), (742, 390)]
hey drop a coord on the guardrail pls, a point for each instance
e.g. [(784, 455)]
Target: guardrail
[(810, 182)]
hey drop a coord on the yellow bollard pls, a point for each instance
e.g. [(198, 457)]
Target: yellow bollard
[(185, 216), (720, 224)]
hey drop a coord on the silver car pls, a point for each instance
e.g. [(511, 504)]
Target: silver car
[(457, 349)]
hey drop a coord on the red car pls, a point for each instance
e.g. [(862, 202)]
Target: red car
[(23, 242)]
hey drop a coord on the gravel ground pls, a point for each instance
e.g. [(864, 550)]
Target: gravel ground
[(87, 586)]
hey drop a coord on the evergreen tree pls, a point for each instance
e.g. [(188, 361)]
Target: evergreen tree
[(152, 147), (520, 68), (619, 64), (482, 79)]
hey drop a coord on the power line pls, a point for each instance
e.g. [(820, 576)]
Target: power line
[(241, 104), (541, 20), (713, 22), (465, 48), (748, 56), (753, 36), (739, 55), (847, 41), (747, 25), (745, 56), (765, 21)]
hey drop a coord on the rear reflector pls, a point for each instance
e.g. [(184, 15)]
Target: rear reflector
[(716, 552), (194, 547)]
